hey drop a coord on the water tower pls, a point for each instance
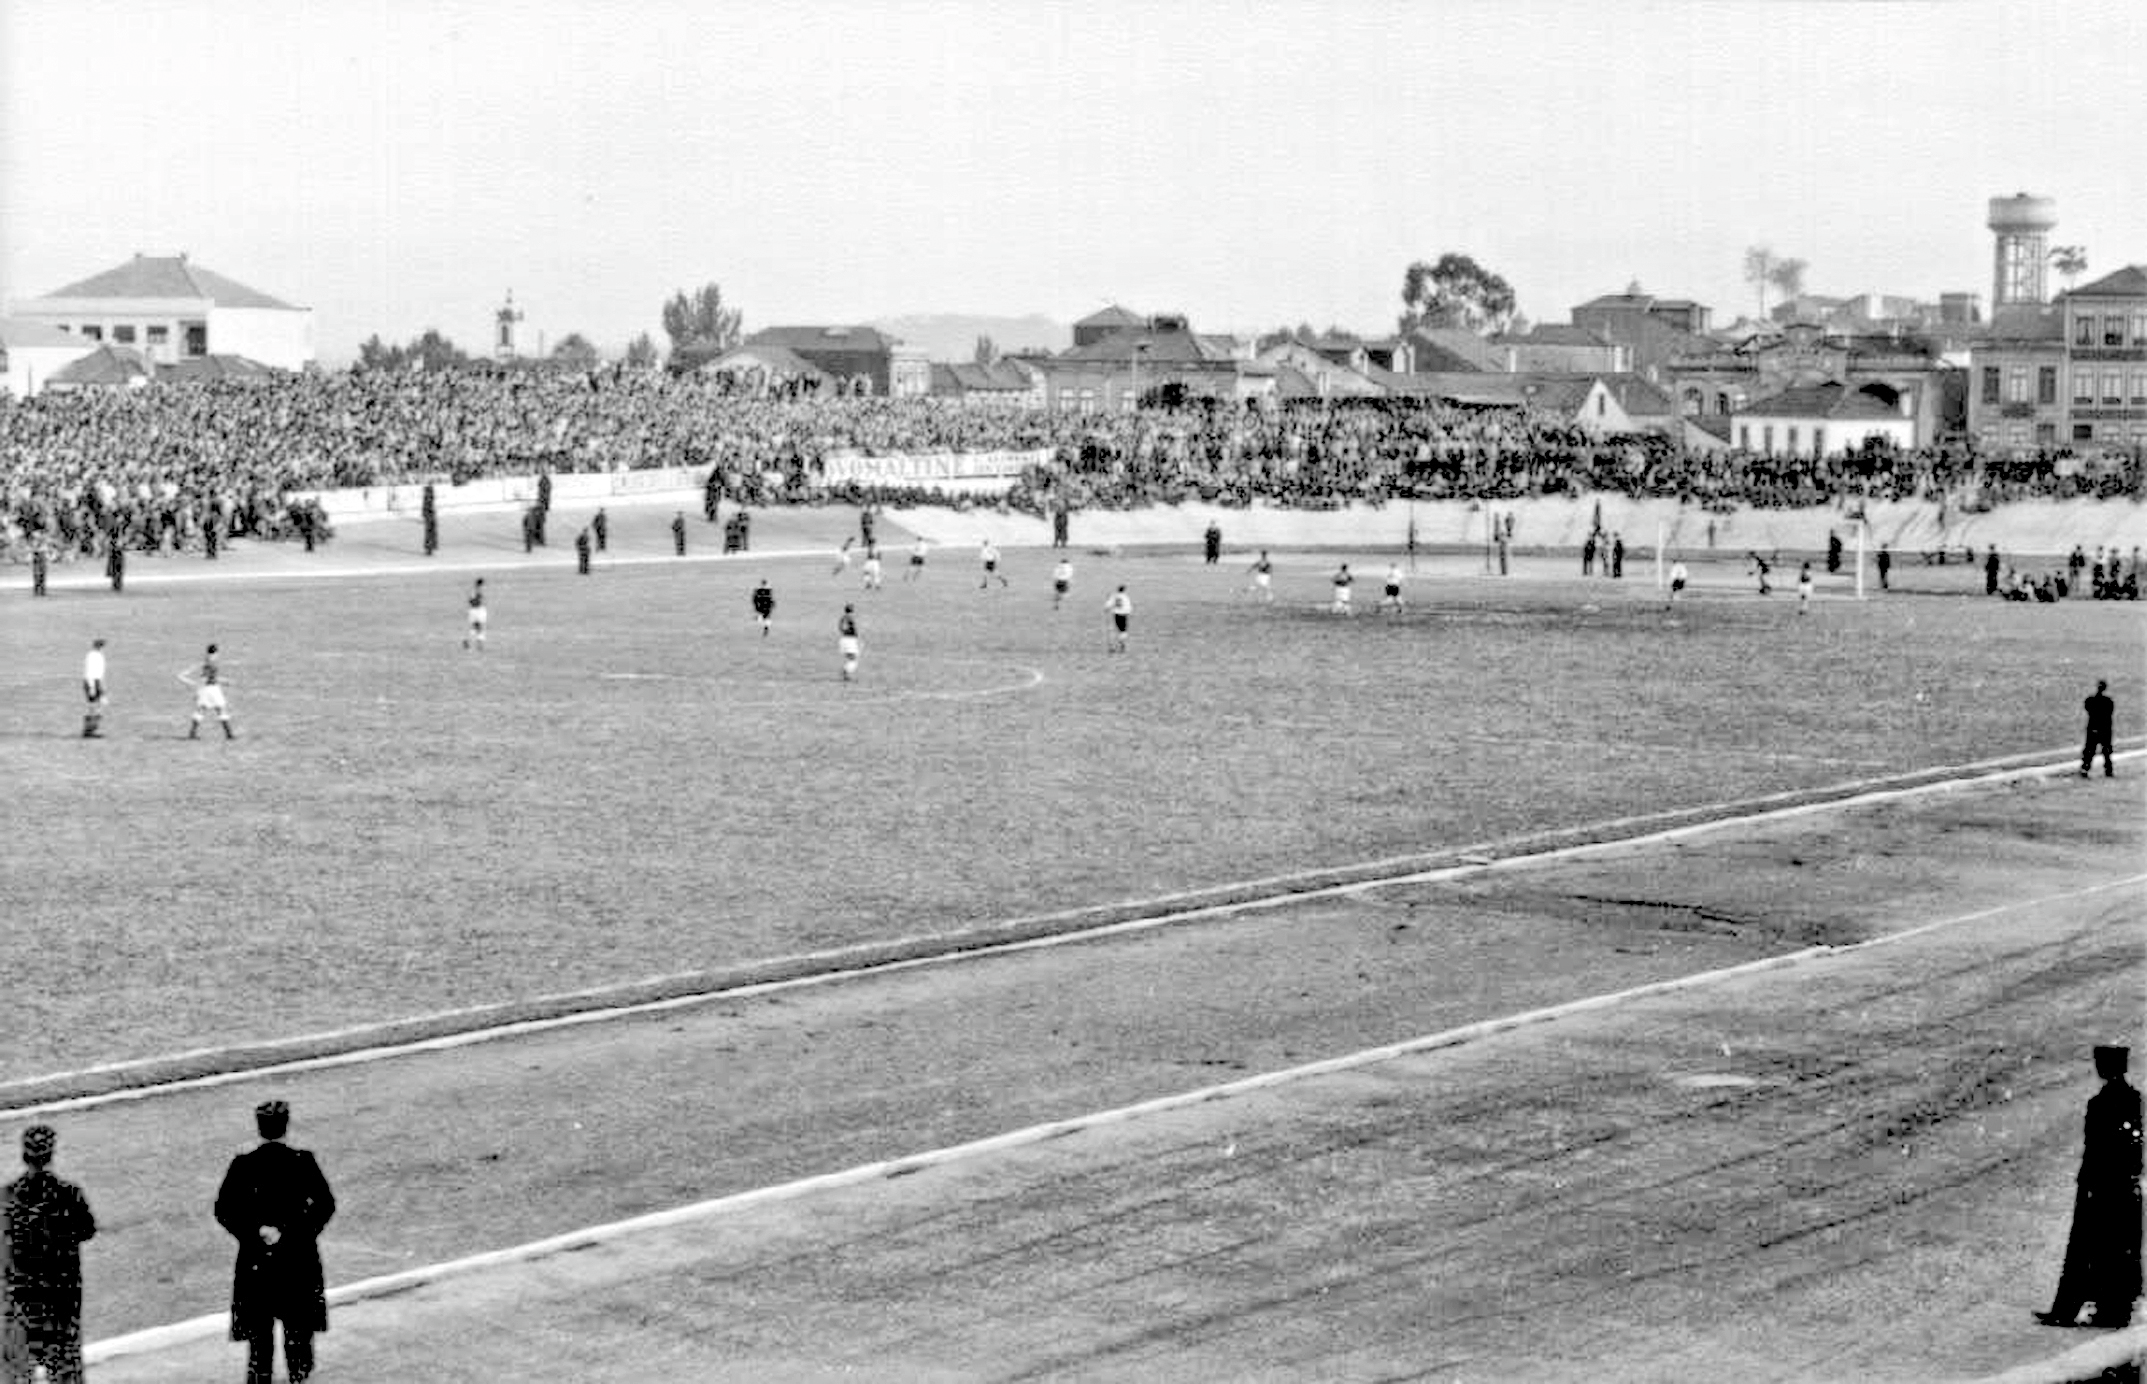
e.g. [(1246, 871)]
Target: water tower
[(2022, 225)]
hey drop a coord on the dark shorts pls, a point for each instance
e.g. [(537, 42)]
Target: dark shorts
[(1120, 622)]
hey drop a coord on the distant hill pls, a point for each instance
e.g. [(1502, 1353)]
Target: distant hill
[(953, 336)]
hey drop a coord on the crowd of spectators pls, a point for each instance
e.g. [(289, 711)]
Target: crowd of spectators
[(158, 467)]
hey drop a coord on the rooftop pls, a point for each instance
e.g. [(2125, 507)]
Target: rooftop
[(169, 276)]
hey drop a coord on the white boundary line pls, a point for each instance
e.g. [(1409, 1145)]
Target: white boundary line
[(199, 1328), (952, 953)]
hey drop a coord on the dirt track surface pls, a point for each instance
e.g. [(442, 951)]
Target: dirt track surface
[(1856, 1166)]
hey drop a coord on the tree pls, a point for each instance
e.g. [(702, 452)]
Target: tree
[(432, 351), (1787, 275), (576, 350), (375, 354), (986, 351), (699, 326), (1455, 292), (641, 352), (1759, 264), (2070, 261)]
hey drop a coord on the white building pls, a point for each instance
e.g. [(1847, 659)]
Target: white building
[(1820, 420), (30, 352), (172, 310)]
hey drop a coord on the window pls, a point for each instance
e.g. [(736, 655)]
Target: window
[(2139, 388), (2083, 432), (1691, 403), (2017, 434), (124, 333), (2139, 327), (1990, 384), (1791, 443), (2046, 434), (93, 333), (197, 338), (2113, 387), (1766, 438), (2083, 386), (2083, 330), (1744, 436), (2113, 330), (158, 336), (2016, 385), (1818, 442), (2046, 384)]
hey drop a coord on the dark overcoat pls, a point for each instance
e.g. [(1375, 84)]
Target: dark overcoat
[(276, 1185), (43, 1222)]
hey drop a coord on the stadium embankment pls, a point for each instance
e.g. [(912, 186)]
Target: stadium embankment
[(2024, 528)]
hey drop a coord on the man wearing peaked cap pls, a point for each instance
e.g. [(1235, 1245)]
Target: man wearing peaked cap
[(45, 1220), (2102, 1255), (275, 1202)]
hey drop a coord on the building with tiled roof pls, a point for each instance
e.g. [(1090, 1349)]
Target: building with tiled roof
[(861, 360), (1820, 420), (1007, 381), (1562, 347), (104, 367), (31, 352), (1163, 357), (1443, 350), (763, 369), (1904, 372), (1321, 370), (2069, 375), (1107, 322), (171, 309)]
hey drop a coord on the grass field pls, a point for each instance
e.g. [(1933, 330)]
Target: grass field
[(630, 782)]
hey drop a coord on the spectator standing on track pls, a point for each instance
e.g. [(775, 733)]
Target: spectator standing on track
[(37, 570), (1885, 565), (275, 1202), (1617, 555), (1990, 571), (678, 534), (2102, 1254), (429, 512), (600, 526), (764, 606), (1059, 523), (847, 642), (93, 692), (2101, 726), (581, 551), (207, 682), (1211, 543), (1833, 552), (115, 563), (475, 633), (1119, 606), (1587, 555), (44, 1220)]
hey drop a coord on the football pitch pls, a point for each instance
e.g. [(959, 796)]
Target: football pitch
[(629, 781)]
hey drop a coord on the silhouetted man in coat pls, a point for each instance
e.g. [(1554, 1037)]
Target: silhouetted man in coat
[(2102, 1256), (275, 1202), (2101, 725), (43, 1222)]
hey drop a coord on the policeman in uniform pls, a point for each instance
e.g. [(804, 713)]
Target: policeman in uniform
[(2101, 723), (44, 1219)]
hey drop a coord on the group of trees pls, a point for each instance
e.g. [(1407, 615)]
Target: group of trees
[(1764, 269), (698, 323)]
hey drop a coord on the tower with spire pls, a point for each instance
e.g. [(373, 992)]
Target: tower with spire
[(503, 345)]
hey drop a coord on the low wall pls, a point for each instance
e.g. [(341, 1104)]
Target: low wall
[(2024, 527)]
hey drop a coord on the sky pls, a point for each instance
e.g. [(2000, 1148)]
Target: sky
[(402, 164)]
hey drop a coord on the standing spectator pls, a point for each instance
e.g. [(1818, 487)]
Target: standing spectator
[(115, 563), (275, 1202), (678, 534), (2101, 725), (2102, 1254), (211, 536), (37, 570), (543, 505), (1119, 606), (1058, 524), (712, 494), (1833, 553), (529, 530), (1885, 564), (93, 690), (44, 1220), (207, 682), (581, 551), (429, 511), (2075, 564), (1211, 543), (847, 642), (1990, 571), (600, 526), (1587, 555), (1617, 555)]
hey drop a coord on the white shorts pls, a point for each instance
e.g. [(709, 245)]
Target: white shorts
[(210, 698), (849, 646), (1263, 580), (477, 617), (1341, 595)]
